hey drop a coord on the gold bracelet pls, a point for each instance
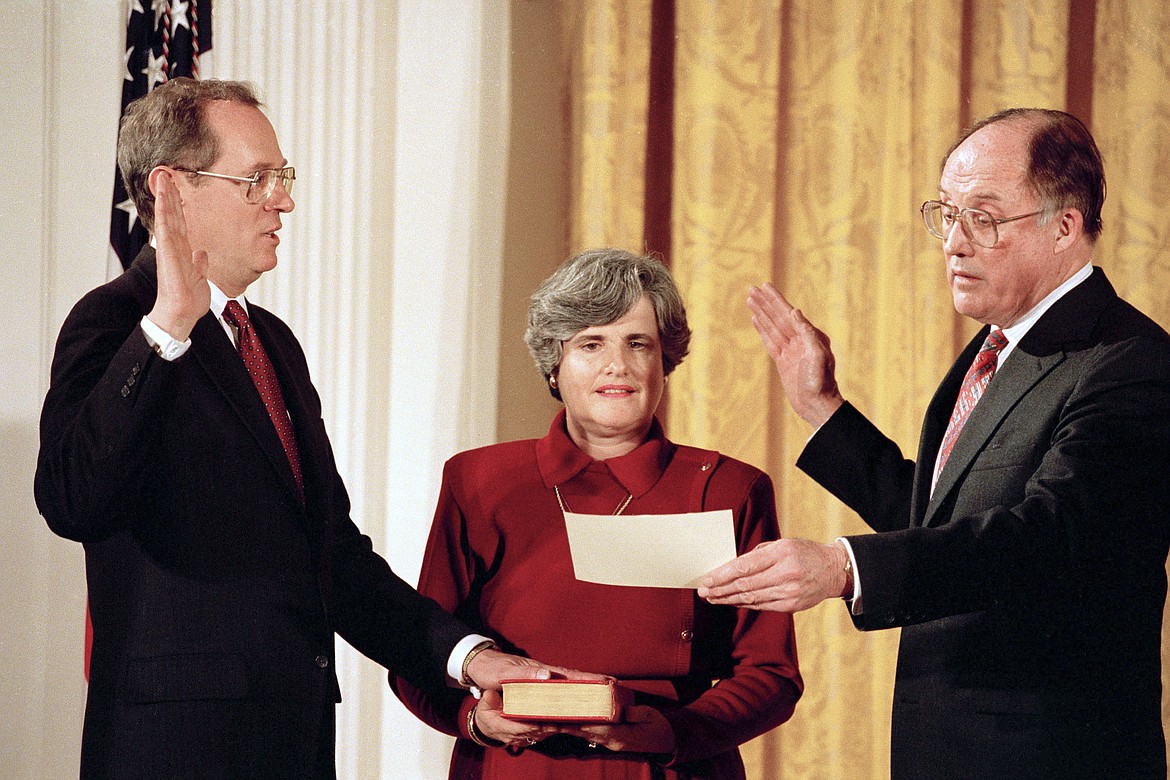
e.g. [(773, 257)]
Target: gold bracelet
[(476, 737), (486, 644)]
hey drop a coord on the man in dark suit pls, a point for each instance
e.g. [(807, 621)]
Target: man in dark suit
[(1024, 554), (220, 554)]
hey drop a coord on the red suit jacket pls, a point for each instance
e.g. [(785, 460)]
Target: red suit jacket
[(498, 556)]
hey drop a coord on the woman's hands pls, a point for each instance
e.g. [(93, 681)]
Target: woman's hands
[(644, 730), (488, 721)]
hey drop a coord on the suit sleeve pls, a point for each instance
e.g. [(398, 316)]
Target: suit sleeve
[(858, 464), (761, 684), (108, 389)]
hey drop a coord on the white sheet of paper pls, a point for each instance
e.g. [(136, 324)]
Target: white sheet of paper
[(658, 551)]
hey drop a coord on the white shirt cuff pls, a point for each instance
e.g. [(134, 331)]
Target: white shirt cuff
[(167, 347), (458, 655), (855, 601)]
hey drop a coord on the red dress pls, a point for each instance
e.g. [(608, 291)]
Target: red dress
[(498, 557)]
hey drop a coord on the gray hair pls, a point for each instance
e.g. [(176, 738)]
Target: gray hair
[(169, 126), (598, 287)]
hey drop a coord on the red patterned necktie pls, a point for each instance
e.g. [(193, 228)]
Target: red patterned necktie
[(980, 373), (264, 377)]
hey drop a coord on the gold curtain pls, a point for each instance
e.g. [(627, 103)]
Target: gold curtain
[(793, 140)]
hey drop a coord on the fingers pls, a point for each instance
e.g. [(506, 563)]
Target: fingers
[(488, 668), (779, 323), (757, 579), (599, 736), (523, 670), (788, 575), (642, 730), (771, 316), (168, 207), (730, 573), (766, 298), (491, 700), (765, 600), (515, 733), (576, 674)]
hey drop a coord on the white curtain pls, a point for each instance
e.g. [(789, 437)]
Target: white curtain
[(394, 114)]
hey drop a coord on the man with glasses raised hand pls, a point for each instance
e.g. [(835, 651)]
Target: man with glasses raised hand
[(182, 443), (1024, 553)]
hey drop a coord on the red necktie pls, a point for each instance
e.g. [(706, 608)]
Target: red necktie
[(980, 373), (264, 377)]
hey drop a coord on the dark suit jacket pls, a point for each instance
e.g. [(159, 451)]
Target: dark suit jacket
[(214, 592), (1031, 585)]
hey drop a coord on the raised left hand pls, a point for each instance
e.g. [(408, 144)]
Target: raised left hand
[(786, 575)]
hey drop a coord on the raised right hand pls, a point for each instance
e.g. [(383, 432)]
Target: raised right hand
[(801, 353), (183, 294)]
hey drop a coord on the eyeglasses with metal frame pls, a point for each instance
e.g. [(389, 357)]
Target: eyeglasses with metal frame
[(260, 184), (978, 226)]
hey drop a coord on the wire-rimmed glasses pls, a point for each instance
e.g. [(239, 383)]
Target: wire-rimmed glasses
[(979, 226), (260, 184)]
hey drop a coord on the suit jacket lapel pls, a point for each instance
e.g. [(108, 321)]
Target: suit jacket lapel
[(1020, 373), (219, 358), (934, 426), (1069, 321)]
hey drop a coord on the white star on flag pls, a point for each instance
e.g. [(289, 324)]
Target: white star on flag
[(155, 70), (159, 7), (131, 212), (179, 16), (131, 8)]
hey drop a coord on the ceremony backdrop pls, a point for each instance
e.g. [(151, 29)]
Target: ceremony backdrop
[(794, 141), (450, 153)]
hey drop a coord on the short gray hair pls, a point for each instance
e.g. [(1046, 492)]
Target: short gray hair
[(168, 126), (598, 287)]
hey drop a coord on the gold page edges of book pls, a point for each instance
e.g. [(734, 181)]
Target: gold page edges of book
[(584, 701)]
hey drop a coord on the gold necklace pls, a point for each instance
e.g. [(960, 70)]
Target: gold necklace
[(621, 507)]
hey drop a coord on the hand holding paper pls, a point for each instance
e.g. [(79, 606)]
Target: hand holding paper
[(786, 575)]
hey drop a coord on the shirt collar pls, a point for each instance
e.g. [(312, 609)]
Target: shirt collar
[(219, 300), (559, 459), (1025, 323)]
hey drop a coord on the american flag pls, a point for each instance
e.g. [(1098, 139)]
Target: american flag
[(162, 42)]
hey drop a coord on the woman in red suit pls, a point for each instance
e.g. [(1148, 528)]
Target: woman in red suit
[(605, 330)]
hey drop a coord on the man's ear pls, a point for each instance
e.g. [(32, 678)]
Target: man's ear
[(153, 177), (1069, 226)]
